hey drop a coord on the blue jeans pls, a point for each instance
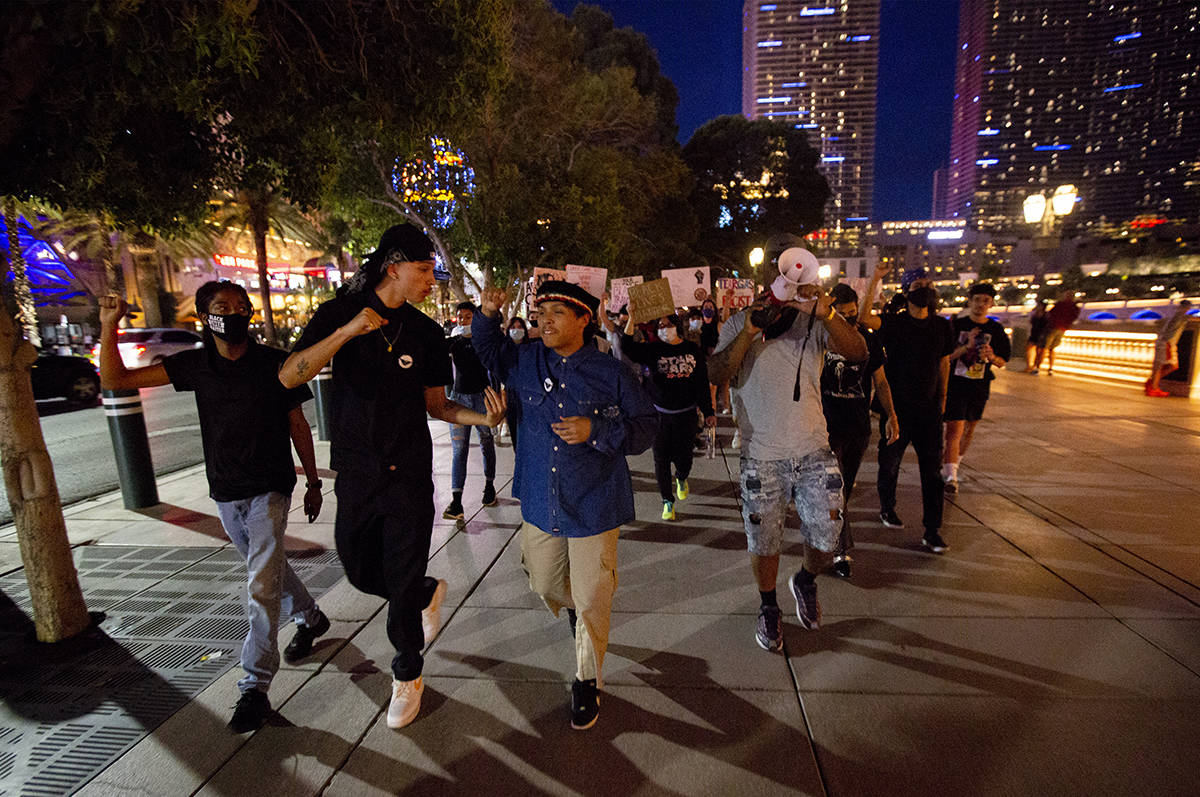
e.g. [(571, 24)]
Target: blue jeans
[(255, 526), (460, 442)]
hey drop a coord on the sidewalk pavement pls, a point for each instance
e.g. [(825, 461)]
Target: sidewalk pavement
[(1054, 648)]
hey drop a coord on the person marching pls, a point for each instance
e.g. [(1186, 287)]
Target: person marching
[(246, 421), (582, 412), (390, 367)]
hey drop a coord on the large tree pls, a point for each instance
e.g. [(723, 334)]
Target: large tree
[(754, 179)]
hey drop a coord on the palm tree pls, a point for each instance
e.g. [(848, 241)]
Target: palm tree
[(260, 212), (14, 210)]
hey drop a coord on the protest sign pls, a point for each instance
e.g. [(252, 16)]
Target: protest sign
[(590, 278), (689, 286), (619, 289), (653, 300), (541, 275), (734, 294)]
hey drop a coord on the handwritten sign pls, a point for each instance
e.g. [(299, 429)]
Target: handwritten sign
[(653, 300), (689, 286), (734, 294), (589, 278), (619, 289), (541, 275)]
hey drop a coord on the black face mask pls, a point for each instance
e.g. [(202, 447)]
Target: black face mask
[(852, 319), (922, 297), (233, 328)]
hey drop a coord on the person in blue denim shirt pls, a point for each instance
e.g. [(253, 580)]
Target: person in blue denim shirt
[(582, 412)]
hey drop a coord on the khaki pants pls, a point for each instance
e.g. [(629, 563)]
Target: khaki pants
[(577, 573)]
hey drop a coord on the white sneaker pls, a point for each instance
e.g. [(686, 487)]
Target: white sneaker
[(406, 702), (736, 443), (431, 615)]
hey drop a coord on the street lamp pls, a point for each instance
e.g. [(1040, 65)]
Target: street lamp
[(756, 259), (1040, 210)]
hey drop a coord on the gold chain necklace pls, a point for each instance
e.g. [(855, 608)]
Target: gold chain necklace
[(392, 342)]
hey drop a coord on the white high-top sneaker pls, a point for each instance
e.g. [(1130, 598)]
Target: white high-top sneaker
[(431, 615), (406, 702)]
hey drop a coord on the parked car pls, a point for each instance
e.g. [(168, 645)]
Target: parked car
[(140, 347), (65, 376)]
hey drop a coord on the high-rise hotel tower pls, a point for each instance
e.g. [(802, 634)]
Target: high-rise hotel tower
[(1101, 94), (814, 65)]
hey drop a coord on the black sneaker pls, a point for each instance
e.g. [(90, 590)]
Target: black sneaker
[(933, 541), (302, 643), (489, 495), (585, 704), (251, 711), (769, 631), (572, 618), (808, 610), (951, 486), (454, 511), (841, 566), (890, 519)]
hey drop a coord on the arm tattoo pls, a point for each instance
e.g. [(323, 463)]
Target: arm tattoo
[(302, 367)]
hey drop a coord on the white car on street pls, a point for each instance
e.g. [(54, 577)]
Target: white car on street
[(141, 347)]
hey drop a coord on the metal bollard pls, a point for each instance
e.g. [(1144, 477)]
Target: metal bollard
[(131, 447), (322, 388)]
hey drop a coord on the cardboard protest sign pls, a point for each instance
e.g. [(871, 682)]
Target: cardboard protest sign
[(590, 278), (734, 294), (541, 275), (619, 290), (653, 300), (689, 286)]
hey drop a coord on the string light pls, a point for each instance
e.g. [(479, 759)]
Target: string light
[(436, 186)]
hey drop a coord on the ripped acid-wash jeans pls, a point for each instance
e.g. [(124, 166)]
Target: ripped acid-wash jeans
[(812, 482)]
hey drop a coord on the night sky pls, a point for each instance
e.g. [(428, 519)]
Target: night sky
[(699, 43)]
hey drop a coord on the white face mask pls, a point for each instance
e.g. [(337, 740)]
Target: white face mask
[(668, 335), (465, 331), (694, 324), (517, 334)]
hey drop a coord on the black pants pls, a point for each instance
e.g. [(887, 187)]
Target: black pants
[(848, 438), (382, 532), (924, 431), (673, 446)]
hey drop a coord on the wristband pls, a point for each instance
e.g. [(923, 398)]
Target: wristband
[(832, 313)]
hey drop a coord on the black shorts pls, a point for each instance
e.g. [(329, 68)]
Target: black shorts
[(965, 399)]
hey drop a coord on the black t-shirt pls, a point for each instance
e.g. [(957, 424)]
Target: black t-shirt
[(915, 348), (379, 419), (469, 374), (846, 386), (243, 411), (710, 333), (678, 372), (968, 369)]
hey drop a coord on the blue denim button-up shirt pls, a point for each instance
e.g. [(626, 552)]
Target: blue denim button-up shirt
[(570, 490)]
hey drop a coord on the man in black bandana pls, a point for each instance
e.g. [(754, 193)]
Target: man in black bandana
[(918, 343), (246, 421), (391, 364)]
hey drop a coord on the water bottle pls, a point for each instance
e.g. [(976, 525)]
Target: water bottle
[(710, 444)]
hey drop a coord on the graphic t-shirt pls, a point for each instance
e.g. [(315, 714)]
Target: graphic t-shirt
[(969, 365), (846, 386), (678, 373)]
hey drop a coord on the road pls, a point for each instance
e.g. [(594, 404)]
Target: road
[(81, 449)]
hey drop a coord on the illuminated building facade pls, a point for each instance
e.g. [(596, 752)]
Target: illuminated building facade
[(814, 65), (1102, 94)]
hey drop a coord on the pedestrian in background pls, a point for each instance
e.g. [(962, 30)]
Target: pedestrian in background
[(470, 381), (1037, 335), (247, 419), (1058, 320), (1166, 349)]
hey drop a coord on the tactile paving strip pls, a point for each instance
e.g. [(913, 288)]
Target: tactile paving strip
[(175, 623)]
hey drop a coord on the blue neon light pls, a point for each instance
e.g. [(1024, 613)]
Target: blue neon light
[(769, 100), (1127, 37), (988, 131), (964, 45), (768, 7), (833, 158), (861, 38), (1051, 147), (987, 162), (773, 43), (833, 138), (784, 113), (858, 218), (816, 12), (1102, 315), (998, 72), (809, 126), (792, 85), (1123, 88), (1145, 315)]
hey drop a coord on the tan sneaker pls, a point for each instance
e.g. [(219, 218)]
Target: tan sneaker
[(431, 615), (406, 702)]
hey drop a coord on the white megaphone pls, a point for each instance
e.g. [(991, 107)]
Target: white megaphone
[(796, 267)]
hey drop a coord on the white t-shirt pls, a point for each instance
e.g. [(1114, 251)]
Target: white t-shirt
[(773, 426)]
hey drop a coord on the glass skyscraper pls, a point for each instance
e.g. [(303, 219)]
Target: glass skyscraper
[(1102, 94), (814, 65)]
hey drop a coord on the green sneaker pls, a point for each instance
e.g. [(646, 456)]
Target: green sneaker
[(668, 511), (681, 489)]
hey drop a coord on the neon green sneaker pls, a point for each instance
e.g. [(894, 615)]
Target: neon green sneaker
[(681, 489), (668, 511)]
